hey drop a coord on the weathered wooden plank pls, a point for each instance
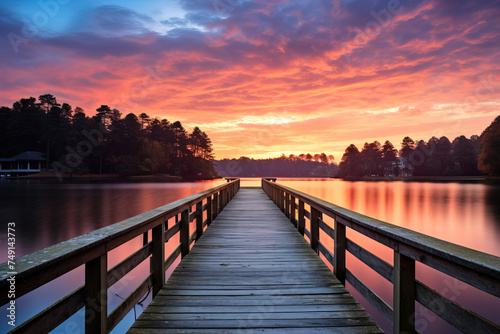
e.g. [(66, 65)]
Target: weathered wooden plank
[(54, 315), (380, 305), (327, 229), (326, 253), (172, 257), (301, 221), (339, 267), (158, 258), (464, 320), (250, 323), (184, 233), (172, 231), (396, 236), (237, 267), (121, 269), (404, 294), (36, 269), (301, 330), (315, 215), (373, 261), (96, 302), (128, 303), (298, 314)]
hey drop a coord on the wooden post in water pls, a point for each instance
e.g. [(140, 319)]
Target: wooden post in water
[(184, 233), (339, 251), (404, 294), (96, 295), (158, 258), (199, 219), (314, 229), (301, 222)]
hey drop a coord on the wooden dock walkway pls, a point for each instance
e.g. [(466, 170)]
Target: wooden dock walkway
[(252, 272)]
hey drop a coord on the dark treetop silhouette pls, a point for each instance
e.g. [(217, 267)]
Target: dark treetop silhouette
[(75, 143)]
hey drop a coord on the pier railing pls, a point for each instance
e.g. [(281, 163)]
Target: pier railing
[(475, 268), (91, 250)]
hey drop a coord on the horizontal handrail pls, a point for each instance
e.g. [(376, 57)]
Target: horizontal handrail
[(476, 268), (36, 269)]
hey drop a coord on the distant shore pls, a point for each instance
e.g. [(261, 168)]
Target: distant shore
[(51, 176), (423, 178)]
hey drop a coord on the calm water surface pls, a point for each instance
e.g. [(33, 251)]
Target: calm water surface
[(46, 214)]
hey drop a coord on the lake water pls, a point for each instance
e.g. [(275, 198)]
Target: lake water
[(45, 214)]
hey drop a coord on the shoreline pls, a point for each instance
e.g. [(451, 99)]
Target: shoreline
[(423, 178), (108, 178)]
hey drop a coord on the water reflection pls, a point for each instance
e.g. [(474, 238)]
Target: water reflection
[(466, 214), (46, 214)]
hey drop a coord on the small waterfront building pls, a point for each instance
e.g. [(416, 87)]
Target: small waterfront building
[(400, 167), (26, 163)]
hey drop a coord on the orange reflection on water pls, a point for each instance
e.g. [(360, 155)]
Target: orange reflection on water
[(464, 214)]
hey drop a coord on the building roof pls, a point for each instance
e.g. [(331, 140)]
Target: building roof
[(27, 156)]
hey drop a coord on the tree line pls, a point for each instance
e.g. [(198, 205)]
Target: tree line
[(477, 155), (302, 165), (104, 143)]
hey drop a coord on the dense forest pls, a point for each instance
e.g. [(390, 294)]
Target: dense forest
[(463, 156), (302, 165), (104, 143)]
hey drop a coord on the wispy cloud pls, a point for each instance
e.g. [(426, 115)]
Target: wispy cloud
[(342, 70)]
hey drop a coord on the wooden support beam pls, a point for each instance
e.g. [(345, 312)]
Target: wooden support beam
[(287, 205), (209, 210), (96, 295), (184, 233), (158, 258), (302, 220), (314, 229), (404, 294), (339, 252), (293, 207), (199, 219)]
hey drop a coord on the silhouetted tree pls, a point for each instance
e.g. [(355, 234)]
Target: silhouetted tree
[(407, 147), (464, 155), (47, 101), (489, 158)]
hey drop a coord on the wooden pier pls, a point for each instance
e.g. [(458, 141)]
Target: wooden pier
[(250, 264), (252, 271)]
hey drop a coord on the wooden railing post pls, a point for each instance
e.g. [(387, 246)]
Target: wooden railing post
[(292, 210), (302, 221), (199, 219), (209, 210), (96, 295), (287, 205), (158, 258), (282, 198), (145, 238), (184, 233), (404, 294), (314, 229), (214, 206), (339, 252)]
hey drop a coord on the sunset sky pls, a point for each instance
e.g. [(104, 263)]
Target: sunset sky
[(264, 77)]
